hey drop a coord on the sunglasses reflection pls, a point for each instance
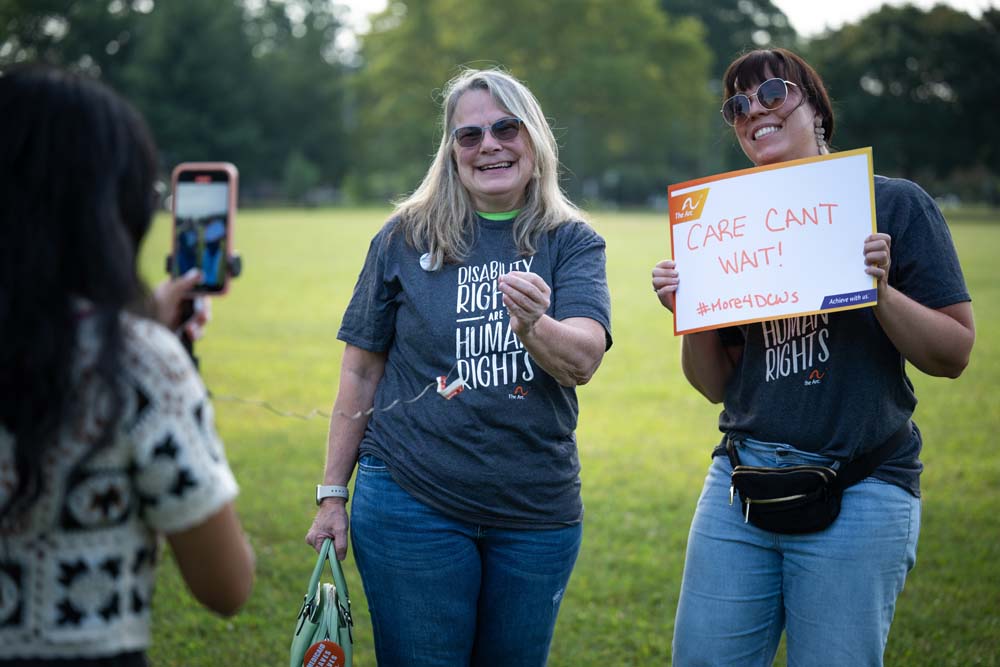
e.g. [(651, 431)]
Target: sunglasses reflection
[(770, 95), (505, 129)]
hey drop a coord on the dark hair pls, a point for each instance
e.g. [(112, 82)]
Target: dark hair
[(756, 67), (77, 176)]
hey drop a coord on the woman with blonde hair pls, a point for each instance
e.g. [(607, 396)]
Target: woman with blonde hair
[(467, 516)]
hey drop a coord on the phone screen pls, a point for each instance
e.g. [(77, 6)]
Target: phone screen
[(202, 218)]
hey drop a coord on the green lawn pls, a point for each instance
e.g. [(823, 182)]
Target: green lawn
[(644, 439)]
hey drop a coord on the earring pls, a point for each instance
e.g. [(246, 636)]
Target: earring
[(820, 136)]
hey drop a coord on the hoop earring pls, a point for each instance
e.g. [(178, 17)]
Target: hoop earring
[(820, 136)]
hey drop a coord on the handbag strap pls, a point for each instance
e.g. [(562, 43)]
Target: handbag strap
[(338, 577), (338, 572), (863, 466), (856, 470), (343, 598), (734, 458), (324, 553)]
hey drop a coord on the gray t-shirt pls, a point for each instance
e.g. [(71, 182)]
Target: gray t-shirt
[(503, 452), (835, 384)]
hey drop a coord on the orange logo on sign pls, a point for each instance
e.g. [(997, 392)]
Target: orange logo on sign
[(688, 206)]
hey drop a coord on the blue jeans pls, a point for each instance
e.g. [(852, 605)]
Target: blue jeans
[(448, 593), (833, 592)]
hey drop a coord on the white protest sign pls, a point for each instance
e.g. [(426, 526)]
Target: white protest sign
[(773, 241)]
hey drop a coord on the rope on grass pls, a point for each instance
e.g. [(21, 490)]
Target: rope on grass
[(320, 413)]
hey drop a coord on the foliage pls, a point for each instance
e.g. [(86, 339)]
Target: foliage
[(193, 77), (95, 37), (632, 87), (622, 83), (250, 83), (912, 84), (300, 177), (644, 439), (732, 28), (735, 27)]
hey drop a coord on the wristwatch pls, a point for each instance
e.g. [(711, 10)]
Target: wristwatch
[(324, 491)]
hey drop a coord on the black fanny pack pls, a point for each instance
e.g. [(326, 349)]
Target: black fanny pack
[(801, 499)]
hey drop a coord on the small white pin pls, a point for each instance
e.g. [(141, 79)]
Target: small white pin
[(427, 262)]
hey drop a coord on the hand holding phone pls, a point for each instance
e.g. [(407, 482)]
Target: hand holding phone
[(176, 309), (204, 210)]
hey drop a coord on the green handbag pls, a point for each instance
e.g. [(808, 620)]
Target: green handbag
[(323, 628)]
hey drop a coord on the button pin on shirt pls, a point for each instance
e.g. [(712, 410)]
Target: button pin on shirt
[(427, 263)]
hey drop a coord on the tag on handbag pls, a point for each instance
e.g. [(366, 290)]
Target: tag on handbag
[(325, 654)]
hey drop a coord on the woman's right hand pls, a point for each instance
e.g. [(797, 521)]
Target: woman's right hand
[(169, 298), (331, 521), (665, 281)]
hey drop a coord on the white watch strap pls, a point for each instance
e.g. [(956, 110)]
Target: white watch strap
[(324, 491)]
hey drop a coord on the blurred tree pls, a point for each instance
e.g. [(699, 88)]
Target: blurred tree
[(404, 60), (623, 85), (249, 81), (299, 177), (193, 77), (735, 27), (300, 105), (914, 85), (732, 28), (96, 37)]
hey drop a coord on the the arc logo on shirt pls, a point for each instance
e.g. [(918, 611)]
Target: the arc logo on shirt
[(814, 377), (519, 394)]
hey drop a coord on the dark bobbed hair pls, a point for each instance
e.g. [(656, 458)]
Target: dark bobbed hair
[(755, 67), (77, 176)]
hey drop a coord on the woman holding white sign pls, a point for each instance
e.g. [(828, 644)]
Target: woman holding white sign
[(815, 531), (467, 517)]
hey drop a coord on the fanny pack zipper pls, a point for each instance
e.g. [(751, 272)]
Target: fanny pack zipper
[(826, 473)]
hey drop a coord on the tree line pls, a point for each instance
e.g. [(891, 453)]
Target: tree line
[(632, 87)]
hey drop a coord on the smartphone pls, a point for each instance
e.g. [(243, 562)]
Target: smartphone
[(204, 210)]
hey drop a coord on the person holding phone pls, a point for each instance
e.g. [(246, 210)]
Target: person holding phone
[(466, 516), (834, 591), (106, 433)]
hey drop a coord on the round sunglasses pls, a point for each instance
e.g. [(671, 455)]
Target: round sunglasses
[(505, 129), (770, 95)]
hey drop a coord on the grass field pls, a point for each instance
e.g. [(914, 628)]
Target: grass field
[(644, 439)]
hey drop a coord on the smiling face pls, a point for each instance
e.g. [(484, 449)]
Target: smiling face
[(785, 133), (495, 173)]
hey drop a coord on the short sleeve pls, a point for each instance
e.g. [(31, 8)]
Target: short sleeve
[(580, 283), (179, 467), (370, 319), (925, 263)]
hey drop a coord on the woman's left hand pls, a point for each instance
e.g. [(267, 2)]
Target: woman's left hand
[(526, 297), (878, 258), (665, 282)]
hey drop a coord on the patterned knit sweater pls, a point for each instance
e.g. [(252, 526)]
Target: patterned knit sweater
[(77, 570)]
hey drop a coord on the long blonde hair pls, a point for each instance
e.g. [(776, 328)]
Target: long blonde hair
[(439, 216)]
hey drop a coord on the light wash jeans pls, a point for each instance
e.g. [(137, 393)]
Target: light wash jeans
[(833, 592), (448, 593)]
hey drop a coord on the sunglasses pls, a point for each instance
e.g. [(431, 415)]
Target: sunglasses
[(505, 129), (770, 95)]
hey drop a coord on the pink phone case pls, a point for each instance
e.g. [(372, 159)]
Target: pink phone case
[(233, 179)]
